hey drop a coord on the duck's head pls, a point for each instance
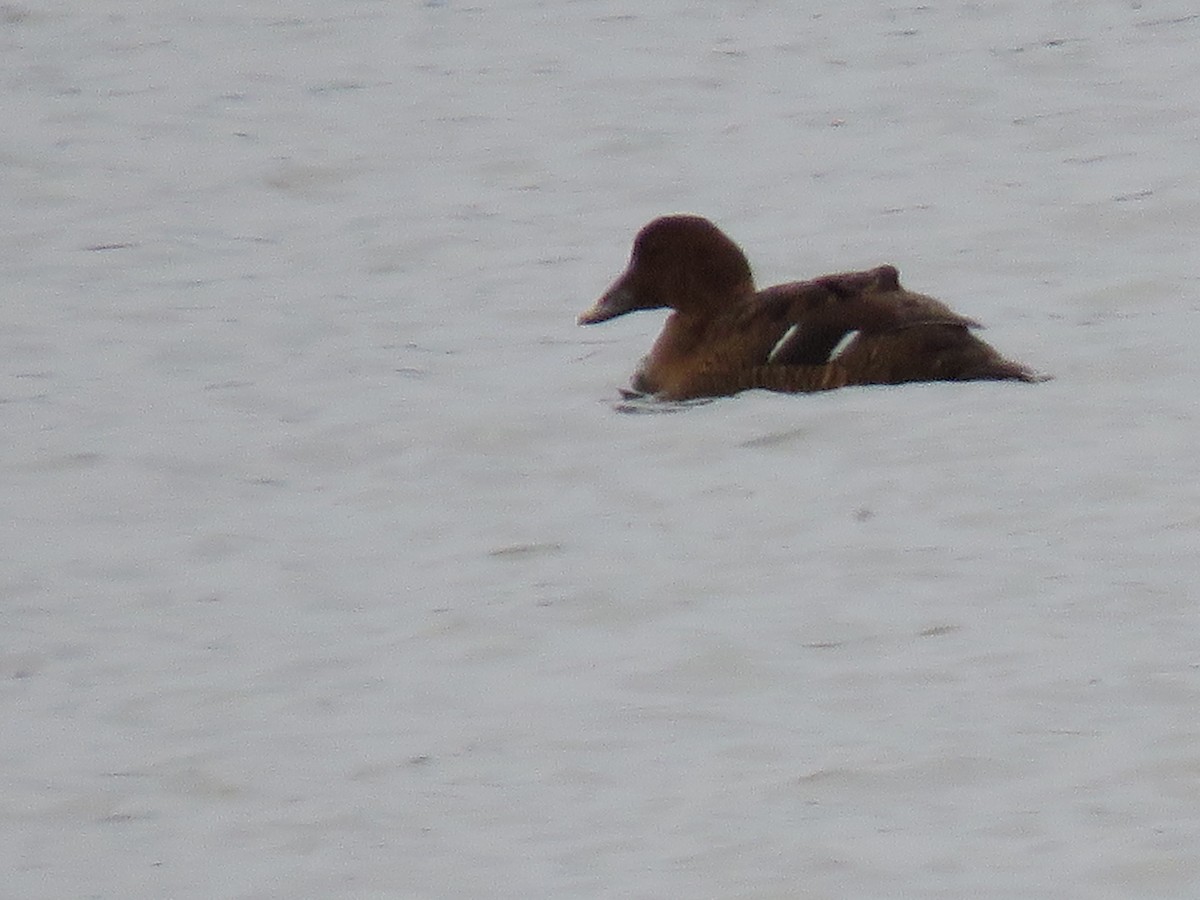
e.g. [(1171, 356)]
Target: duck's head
[(683, 262)]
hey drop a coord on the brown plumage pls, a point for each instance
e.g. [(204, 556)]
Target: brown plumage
[(723, 336)]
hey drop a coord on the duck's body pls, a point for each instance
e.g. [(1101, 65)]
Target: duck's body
[(724, 336)]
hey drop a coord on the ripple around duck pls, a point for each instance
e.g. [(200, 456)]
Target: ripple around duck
[(648, 405)]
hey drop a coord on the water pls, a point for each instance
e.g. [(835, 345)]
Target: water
[(332, 567)]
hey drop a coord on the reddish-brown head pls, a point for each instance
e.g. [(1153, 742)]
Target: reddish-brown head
[(682, 262)]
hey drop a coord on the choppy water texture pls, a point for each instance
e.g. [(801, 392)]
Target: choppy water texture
[(331, 569)]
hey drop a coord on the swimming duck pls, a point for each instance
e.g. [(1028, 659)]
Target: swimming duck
[(724, 336)]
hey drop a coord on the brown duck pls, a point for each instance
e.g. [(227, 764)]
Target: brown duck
[(724, 336)]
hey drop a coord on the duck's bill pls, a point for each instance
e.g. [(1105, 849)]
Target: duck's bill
[(617, 301)]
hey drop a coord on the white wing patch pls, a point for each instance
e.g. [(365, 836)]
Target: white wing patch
[(840, 347), (782, 342)]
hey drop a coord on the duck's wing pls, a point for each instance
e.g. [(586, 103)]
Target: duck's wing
[(821, 313), (810, 320), (916, 353), (940, 352)]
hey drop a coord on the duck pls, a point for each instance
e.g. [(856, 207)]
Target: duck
[(724, 335)]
